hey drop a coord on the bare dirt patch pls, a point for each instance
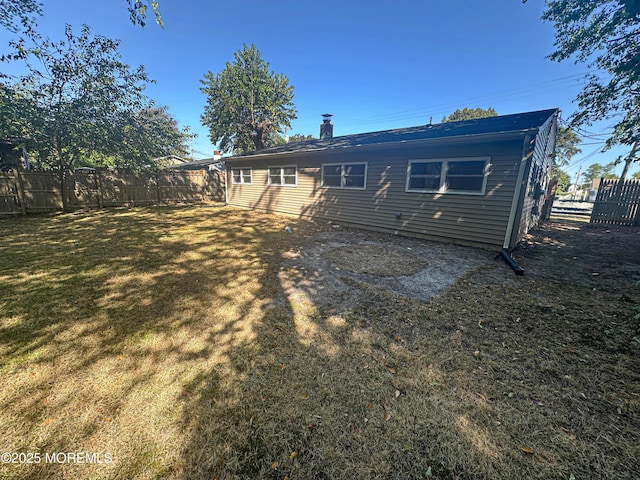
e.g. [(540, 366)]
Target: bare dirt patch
[(329, 266), (378, 260)]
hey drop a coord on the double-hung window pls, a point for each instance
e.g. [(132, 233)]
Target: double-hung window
[(241, 176), (456, 175), (344, 175), (286, 175)]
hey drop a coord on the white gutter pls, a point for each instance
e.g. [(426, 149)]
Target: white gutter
[(526, 151)]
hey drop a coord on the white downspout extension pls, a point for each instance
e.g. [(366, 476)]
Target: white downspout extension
[(516, 194)]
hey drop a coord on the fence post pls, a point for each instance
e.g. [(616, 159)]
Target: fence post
[(158, 185), (99, 188), (20, 190)]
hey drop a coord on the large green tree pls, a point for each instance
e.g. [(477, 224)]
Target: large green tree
[(246, 103), (85, 102), (469, 114), (604, 34)]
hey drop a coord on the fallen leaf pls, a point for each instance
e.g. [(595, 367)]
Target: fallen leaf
[(47, 421), (397, 393), (274, 465), (485, 398), (527, 450), (293, 455), (282, 367), (392, 370), (387, 416)]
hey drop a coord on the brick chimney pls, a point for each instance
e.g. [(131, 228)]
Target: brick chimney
[(326, 129)]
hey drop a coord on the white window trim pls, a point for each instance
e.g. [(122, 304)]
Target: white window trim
[(281, 167), (443, 175), (241, 182), (342, 176)]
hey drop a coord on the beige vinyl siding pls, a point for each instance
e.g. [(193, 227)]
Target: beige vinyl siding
[(471, 219)]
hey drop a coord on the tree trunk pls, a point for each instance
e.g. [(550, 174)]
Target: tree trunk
[(258, 138), (628, 161), (63, 190)]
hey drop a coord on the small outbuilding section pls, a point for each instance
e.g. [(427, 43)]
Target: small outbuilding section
[(477, 182)]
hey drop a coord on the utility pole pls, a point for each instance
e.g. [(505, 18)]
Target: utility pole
[(575, 190)]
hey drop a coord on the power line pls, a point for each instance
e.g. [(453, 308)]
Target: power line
[(444, 108), (586, 157)]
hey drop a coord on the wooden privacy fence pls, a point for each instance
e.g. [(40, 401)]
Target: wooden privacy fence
[(617, 204), (24, 192)]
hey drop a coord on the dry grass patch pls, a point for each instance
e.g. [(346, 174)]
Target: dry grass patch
[(173, 339), (376, 260)]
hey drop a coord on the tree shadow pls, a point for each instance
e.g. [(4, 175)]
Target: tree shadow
[(180, 341), (103, 311)]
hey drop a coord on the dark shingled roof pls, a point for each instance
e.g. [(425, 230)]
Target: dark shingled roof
[(194, 165), (503, 123)]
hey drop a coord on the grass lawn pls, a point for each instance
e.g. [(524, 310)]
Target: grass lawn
[(163, 341)]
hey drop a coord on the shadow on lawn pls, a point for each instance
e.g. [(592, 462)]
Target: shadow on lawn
[(476, 384), (175, 339), (113, 315)]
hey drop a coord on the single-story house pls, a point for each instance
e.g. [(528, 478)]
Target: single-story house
[(478, 182)]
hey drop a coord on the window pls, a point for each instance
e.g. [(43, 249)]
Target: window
[(286, 176), (241, 176), (447, 176), (344, 175)]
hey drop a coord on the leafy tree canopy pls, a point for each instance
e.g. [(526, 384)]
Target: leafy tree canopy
[(563, 180), (605, 34), (469, 114), (299, 137), (246, 103), (16, 13), (566, 146), (138, 11), (78, 102), (597, 170)]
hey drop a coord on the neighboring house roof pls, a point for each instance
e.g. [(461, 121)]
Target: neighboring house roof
[(197, 164), (519, 122), (171, 159)]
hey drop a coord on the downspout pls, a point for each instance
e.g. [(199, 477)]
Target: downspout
[(526, 152), (226, 185)]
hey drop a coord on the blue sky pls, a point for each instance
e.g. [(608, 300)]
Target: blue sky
[(373, 65)]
